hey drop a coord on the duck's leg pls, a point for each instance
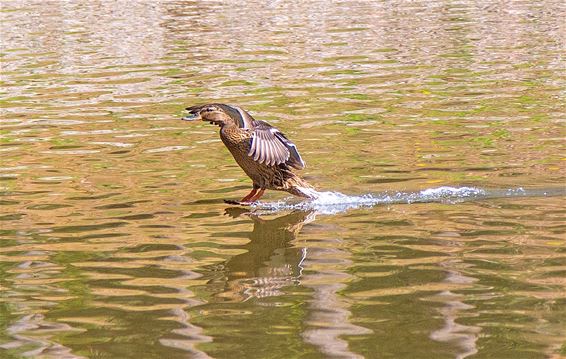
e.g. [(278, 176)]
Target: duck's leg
[(246, 200), (249, 196), (257, 196)]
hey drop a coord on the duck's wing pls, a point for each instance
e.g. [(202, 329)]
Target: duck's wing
[(272, 147)]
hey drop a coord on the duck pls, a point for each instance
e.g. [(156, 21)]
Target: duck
[(263, 152)]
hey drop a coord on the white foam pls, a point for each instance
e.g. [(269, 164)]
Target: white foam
[(310, 192), (336, 202)]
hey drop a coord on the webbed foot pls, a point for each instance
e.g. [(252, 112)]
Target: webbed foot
[(237, 203)]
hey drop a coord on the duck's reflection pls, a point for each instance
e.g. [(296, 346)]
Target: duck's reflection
[(270, 262), (275, 258)]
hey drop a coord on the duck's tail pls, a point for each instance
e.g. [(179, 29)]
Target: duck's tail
[(299, 187)]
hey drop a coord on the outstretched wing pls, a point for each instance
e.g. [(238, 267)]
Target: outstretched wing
[(270, 146)]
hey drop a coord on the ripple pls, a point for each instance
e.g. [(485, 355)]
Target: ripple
[(70, 152), (167, 149), (127, 249)]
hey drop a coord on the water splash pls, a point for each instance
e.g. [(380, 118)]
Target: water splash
[(336, 202)]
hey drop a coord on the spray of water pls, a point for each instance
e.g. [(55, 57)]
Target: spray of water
[(336, 202)]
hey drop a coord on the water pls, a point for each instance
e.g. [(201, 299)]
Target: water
[(434, 132)]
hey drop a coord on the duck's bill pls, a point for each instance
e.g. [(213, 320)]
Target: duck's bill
[(191, 117)]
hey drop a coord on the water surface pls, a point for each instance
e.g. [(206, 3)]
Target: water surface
[(115, 241)]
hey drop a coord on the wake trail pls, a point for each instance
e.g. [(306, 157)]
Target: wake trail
[(335, 202)]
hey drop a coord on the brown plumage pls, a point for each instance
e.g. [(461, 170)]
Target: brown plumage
[(264, 153)]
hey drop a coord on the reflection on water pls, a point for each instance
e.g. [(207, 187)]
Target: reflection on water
[(276, 259), (115, 241), (328, 319), (42, 346), (269, 263), (462, 336)]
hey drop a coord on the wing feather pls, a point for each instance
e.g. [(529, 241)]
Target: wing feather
[(269, 155), (272, 147), (257, 150), (262, 149)]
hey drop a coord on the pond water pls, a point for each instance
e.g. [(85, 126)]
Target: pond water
[(435, 131)]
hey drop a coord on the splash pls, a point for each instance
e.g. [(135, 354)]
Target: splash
[(336, 202)]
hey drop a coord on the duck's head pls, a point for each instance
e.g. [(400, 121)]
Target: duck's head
[(219, 114)]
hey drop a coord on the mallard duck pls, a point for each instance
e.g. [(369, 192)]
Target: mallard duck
[(265, 154)]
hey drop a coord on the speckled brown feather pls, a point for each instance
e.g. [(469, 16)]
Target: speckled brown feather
[(269, 163)]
